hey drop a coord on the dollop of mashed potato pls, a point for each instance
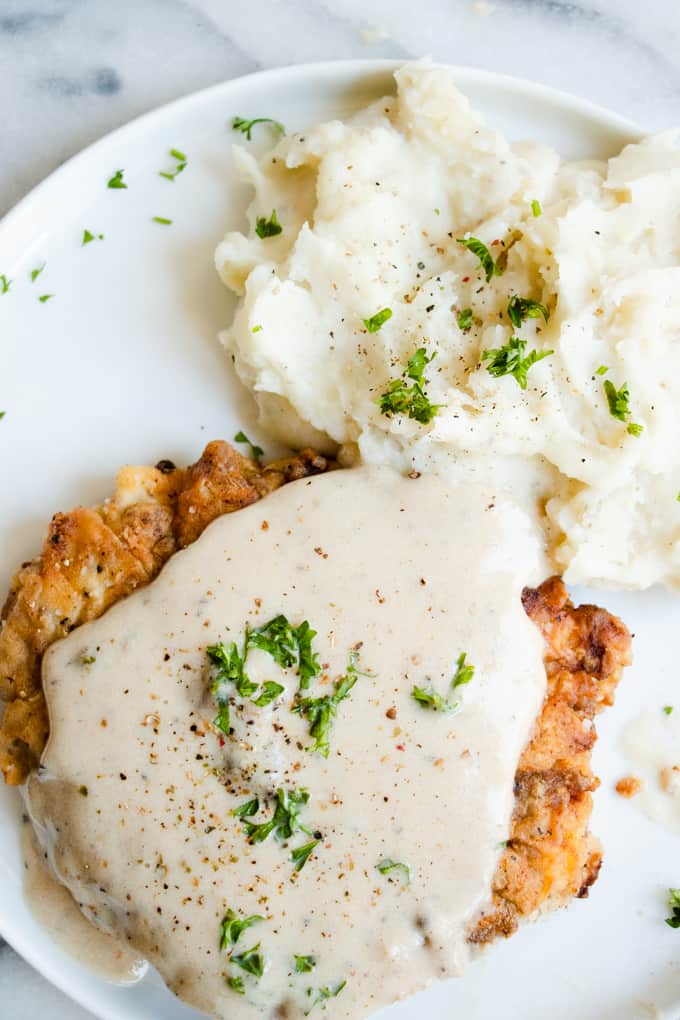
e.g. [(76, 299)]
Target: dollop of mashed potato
[(372, 212)]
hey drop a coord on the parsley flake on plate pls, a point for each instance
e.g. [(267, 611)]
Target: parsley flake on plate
[(256, 452), (478, 248), (117, 180), (35, 273), (268, 228), (536, 208), (510, 360), (161, 219), (246, 126), (181, 162), (45, 297), (5, 283), (88, 236), (674, 903)]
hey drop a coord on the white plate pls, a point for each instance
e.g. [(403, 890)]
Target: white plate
[(122, 365)]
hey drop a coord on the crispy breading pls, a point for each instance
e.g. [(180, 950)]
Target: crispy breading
[(92, 558), (551, 856)]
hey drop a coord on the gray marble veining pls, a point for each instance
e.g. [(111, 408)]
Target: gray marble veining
[(72, 70)]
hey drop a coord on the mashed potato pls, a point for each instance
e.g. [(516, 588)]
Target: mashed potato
[(372, 213)]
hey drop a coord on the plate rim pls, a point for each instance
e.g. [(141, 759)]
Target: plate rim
[(462, 73), (21, 215)]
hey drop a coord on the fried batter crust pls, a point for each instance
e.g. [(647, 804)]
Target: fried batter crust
[(551, 856), (92, 558)]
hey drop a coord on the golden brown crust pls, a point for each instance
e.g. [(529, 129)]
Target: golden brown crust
[(92, 558), (551, 856)]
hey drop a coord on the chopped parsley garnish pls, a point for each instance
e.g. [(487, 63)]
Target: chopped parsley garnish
[(465, 319), (478, 248), (668, 709), (323, 994), (251, 807), (464, 673), (256, 452), (223, 718), (388, 865), (229, 662), (236, 984), (602, 370), (300, 855), (284, 822), (35, 273), (232, 927), (412, 400), (674, 903), (89, 236), (82, 790), (246, 126), (536, 208), (117, 180), (288, 646), (161, 219), (251, 961), (2, 414), (181, 165), (230, 668), (308, 659), (618, 401), (276, 637), (510, 360), (520, 308), (429, 698), (304, 964), (270, 690), (379, 319), (5, 283), (87, 660), (45, 297), (268, 228), (321, 712)]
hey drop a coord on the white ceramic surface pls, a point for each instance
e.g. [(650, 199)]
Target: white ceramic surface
[(122, 364)]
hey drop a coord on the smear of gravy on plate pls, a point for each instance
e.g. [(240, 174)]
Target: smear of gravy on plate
[(651, 743), (134, 803), (56, 910)]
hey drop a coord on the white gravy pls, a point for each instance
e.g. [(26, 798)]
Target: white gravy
[(135, 796)]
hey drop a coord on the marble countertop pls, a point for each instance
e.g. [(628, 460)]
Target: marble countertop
[(71, 70)]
